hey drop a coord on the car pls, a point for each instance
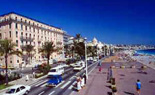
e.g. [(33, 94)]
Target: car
[(78, 68), (90, 58), (18, 90), (64, 65), (59, 70), (54, 80)]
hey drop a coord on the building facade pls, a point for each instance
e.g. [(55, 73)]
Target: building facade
[(23, 31)]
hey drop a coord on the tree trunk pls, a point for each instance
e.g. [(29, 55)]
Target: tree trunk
[(48, 58), (6, 69)]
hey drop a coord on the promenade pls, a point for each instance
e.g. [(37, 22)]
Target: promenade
[(126, 80), (96, 83)]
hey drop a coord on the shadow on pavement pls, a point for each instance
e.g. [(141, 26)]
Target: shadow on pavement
[(109, 93), (129, 93)]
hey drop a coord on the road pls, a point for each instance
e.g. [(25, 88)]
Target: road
[(64, 88)]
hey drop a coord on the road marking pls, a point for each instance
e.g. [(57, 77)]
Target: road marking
[(44, 85), (60, 84), (72, 77), (41, 83), (41, 93), (70, 87), (68, 69), (51, 93), (92, 70), (32, 84), (65, 84)]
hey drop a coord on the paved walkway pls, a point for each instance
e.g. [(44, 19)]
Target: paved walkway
[(126, 79), (97, 84)]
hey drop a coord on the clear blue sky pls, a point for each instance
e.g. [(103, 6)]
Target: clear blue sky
[(110, 21)]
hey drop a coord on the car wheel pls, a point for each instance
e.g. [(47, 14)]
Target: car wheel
[(26, 92)]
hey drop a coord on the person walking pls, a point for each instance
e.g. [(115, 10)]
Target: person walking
[(138, 86), (100, 69), (78, 84), (27, 77)]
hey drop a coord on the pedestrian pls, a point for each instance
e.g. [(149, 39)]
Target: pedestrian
[(27, 77), (138, 86), (34, 74), (100, 69), (99, 63), (82, 82), (78, 84)]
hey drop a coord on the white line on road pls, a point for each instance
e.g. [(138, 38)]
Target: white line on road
[(32, 84), (92, 70), (41, 93), (72, 77), (60, 84), (51, 93), (70, 87), (65, 84), (41, 83), (44, 85)]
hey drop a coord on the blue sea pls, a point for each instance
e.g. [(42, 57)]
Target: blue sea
[(147, 52)]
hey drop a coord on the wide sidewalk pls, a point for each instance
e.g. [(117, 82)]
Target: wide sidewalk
[(96, 83), (126, 80)]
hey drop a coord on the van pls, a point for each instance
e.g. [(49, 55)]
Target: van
[(59, 70)]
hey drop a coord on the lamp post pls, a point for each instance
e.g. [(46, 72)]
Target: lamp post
[(86, 58)]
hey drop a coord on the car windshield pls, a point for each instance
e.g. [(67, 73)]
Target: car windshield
[(10, 91), (53, 70)]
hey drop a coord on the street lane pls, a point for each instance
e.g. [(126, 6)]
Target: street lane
[(39, 87)]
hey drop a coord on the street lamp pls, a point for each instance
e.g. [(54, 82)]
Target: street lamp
[(86, 57)]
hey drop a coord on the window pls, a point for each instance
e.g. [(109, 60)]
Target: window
[(21, 19), (9, 25), (33, 29), (16, 33), (22, 87), (17, 61), (16, 18), (25, 27), (21, 27), (21, 33), (10, 61), (17, 42), (25, 21), (10, 33), (17, 90), (16, 25), (0, 35)]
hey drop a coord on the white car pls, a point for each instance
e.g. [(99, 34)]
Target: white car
[(78, 68), (18, 90)]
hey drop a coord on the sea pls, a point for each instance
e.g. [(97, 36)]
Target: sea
[(146, 52)]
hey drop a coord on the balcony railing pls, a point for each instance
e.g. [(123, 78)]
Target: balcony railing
[(26, 38)]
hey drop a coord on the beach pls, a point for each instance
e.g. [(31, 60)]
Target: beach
[(145, 59)]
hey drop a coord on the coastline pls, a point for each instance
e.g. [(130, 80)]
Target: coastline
[(146, 59)]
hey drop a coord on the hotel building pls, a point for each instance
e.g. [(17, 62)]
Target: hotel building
[(23, 30)]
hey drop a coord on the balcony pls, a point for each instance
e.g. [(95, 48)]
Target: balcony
[(27, 39)]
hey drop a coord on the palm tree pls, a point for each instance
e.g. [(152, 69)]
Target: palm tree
[(7, 48), (47, 49), (29, 49)]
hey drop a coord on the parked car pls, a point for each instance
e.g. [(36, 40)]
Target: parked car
[(18, 90), (59, 70), (78, 68), (54, 80)]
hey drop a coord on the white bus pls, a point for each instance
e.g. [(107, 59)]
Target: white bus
[(59, 70)]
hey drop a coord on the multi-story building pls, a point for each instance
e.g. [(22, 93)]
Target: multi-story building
[(23, 30)]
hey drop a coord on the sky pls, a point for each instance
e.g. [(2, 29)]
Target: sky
[(110, 21)]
